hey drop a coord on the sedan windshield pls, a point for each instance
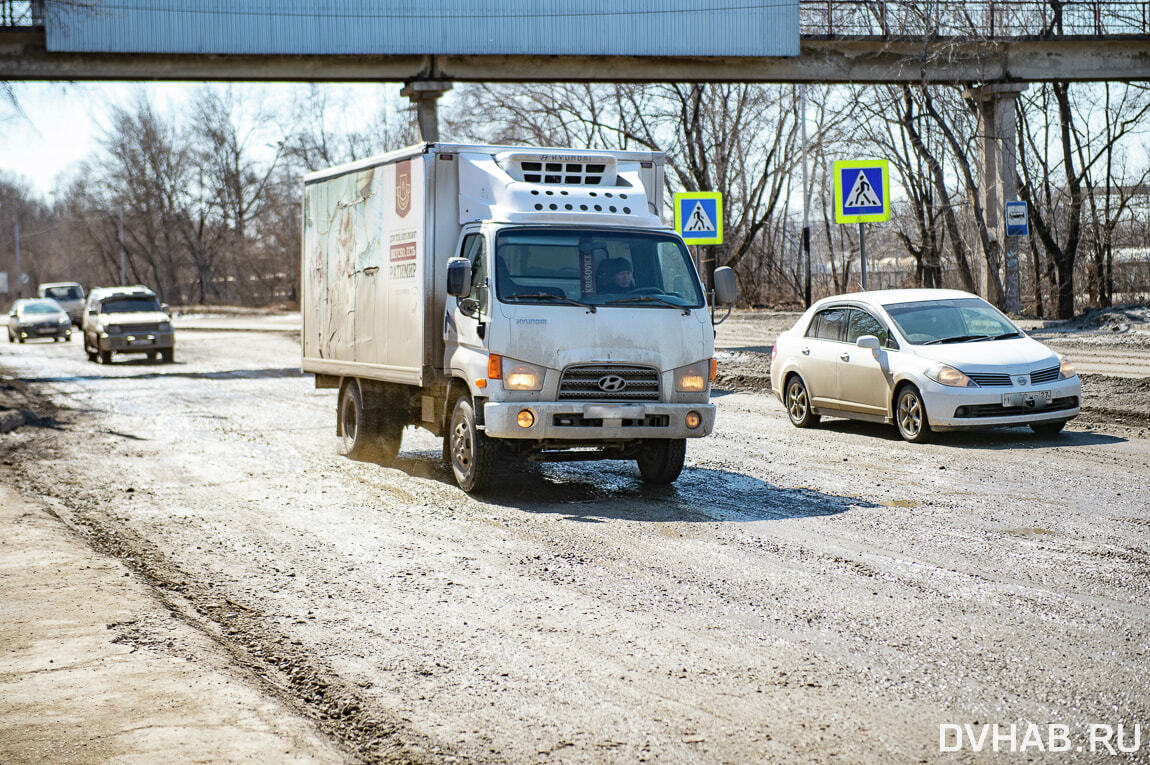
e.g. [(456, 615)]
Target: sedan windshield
[(962, 320), (130, 305), (595, 268), (42, 308)]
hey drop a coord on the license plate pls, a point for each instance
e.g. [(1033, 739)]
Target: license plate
[(1033, 399)]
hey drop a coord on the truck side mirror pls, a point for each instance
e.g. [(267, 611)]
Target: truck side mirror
[(726, 286), (458, 277)]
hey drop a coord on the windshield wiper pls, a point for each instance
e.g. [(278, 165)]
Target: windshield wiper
[(649, 299), (956, 339), (1003, 336), (554, 298)]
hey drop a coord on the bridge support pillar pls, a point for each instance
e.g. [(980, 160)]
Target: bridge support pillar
[(1000, 282), (424, 95)]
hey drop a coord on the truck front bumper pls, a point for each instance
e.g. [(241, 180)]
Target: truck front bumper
[(137, 342), (577, 421)]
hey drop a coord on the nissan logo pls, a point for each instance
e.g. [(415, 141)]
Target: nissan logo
[(612, 383), (1020, 380)]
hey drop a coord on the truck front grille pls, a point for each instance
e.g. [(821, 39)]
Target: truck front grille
[(601, 382)]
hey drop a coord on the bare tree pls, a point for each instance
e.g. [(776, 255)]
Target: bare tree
[(1059, 156)]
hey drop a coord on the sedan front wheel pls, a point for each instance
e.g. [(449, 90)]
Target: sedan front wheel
[(910, 415), (798, 403)]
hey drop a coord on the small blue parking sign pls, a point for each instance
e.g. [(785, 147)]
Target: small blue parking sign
[(699, 216), (862, 191)]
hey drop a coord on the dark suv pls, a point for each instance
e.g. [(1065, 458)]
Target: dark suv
[(127, 320)]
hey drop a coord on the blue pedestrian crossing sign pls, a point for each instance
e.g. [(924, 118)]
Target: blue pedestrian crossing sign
[(699, 216), (862, 191)]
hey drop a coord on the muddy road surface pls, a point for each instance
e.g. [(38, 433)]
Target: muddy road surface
[(818, 595)]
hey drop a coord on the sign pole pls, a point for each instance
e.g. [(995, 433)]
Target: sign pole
[(862, 253)]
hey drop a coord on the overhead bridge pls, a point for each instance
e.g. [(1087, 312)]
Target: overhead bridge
[(840, 41)]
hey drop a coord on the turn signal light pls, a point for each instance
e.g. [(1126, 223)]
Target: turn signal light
[(693, 419), (714, 369), (495, 367)]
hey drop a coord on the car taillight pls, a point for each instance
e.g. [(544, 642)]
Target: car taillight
[(774, 350)]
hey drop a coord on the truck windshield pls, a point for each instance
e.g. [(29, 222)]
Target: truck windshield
[(64, 293), (595, 267), (130, 305)]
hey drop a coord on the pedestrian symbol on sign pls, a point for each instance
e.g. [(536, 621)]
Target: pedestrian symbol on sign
[(699, 220), (862, 193)]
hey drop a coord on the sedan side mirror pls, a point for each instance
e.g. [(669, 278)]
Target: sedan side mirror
[(726, 286), (868, 341), (459, 277)]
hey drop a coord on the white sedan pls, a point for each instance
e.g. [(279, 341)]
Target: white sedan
[(923, 359)]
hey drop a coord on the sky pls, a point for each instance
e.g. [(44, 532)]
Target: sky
[(62, 123)]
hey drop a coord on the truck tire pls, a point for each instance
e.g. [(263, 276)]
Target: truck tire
[(168, 355), (105, 357), (661, 460), (357, 440), (472, 453)]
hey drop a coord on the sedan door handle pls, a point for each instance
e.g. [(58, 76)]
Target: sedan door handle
[(806, 351), (845, 357)]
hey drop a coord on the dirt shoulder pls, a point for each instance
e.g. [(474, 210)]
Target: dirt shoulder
[(98, 666)]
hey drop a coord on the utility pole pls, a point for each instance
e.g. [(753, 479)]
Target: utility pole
[(19, 272), (120, 238), (806, 241)]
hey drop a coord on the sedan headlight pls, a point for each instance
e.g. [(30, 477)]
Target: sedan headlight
[(519, 375), (693, 378), (1065, 369), (944, 374)]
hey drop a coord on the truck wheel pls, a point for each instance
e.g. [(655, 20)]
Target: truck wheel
[(472, 453), (105, 357), (661, 460), (168, 355), (357, 437)]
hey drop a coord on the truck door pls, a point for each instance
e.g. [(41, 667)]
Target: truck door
[(465, 346)]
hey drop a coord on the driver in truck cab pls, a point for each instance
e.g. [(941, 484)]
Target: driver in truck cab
[(616, 276)]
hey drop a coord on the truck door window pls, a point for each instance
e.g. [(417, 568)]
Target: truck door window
[(475, 250)]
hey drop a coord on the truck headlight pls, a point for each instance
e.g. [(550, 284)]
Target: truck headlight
[(63, 320), (944, 374), (164, 327), (1065, 369), (519, 375), (112, 329), (693, 378)]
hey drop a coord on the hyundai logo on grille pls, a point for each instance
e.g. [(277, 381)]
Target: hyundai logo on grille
[(612, 383)]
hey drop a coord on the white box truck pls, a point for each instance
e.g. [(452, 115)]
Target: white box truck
[(522, 303)]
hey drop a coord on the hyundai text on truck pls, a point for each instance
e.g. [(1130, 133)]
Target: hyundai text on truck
[(522, 303)]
